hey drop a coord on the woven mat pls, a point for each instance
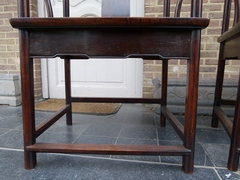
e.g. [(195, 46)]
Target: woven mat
[(84, 108)]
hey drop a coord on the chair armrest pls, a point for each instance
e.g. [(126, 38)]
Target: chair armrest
[(230, 33)]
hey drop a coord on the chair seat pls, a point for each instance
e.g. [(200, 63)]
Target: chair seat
[(169, 38), (107, 22)]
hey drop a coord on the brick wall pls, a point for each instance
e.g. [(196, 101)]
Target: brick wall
[(9, 54), (9, 61), (9, 43), (209, 48)]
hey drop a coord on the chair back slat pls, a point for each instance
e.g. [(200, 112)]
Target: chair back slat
[(236, 12), (66, 11), (178, 8), (23, 8), (49, 8), (166, 8), (196, 8), (227, 14)]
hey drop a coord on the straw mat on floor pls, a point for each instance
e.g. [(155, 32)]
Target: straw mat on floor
[(84, 108)]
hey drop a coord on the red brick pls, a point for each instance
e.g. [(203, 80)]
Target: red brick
[(211, 62), (149, 2), (8, 67)]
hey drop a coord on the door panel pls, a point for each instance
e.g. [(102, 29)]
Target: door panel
[(93, 77)]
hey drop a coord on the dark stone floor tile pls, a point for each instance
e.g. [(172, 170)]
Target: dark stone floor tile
[(6, 111), (229, 175), (57, 138), (138, 132), (201, 157), (139, 108), (205, 122), (103, 129), (3, 131), (76, 128), (80, 119), (133, 124), (10, 122), (12, 139), (212, 135), (86, 139), (167, 134), (168, 125), (140, 119), (118, 118), (218, 153), (74, 167)]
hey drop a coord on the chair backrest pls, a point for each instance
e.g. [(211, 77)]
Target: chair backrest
[(122, 8), (227, 14)]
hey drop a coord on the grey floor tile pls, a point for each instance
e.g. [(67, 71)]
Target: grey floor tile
[(74, 167), (218, 153), (12, 139), (133, 124), (225, 174), (138, 132), (76, 128), (7, 111), (103, 129), (167, 134), (87, 139), (10, 122), (115, 118), (3, 131), (212, 135), (57, 138), (201, 157), (140, 118), (205, 122)]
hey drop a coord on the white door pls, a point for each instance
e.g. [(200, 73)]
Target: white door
[(92, 78)]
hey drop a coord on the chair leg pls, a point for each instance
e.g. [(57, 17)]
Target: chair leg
[(30, 160), (28, 111), (164, 90), (68, 90), (219, 86), (233, 158), (191, 102)]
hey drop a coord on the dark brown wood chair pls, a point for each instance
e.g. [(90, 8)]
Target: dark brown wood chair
[(229, 49), (149, 38)]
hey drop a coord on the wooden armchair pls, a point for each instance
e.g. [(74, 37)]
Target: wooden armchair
[(149, 38), (229, 49)]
